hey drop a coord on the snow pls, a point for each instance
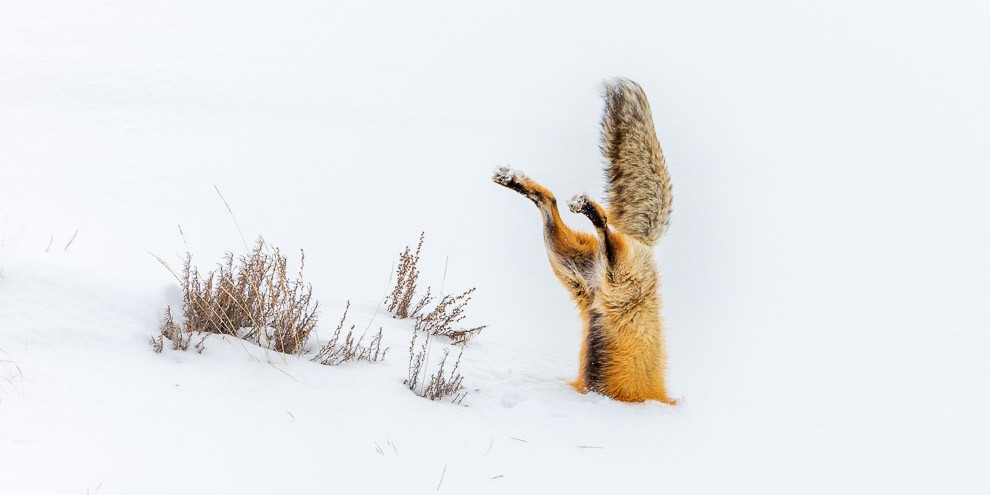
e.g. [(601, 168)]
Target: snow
[(577, 202), (824, 277)]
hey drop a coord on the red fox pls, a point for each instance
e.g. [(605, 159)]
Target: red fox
[(611, 275)]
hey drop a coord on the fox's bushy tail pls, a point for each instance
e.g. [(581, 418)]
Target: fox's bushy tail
[(638, 191)]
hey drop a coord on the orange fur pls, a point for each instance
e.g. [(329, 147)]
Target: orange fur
[(611, 274)]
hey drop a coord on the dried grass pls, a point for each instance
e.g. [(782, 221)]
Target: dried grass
[(180, 339), (443, 317), (10, 373), (407, 276), (254, 299), (337, 351), (441, 383), (442, 320)]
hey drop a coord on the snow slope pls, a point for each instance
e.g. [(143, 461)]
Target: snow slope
[(824, 276)]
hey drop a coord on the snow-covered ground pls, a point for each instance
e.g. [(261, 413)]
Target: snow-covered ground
[(825, 275)]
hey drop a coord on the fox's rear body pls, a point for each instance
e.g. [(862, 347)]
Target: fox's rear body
[(611, 274)]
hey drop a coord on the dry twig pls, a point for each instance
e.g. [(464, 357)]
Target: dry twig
[(443, 317), (407, 275), (337, 351), (441, 383)]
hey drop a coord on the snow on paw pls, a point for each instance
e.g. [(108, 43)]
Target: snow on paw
[(506, 176), (578, 203)]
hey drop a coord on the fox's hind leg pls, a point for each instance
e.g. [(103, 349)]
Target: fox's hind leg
[(611, 243), (572, 254)]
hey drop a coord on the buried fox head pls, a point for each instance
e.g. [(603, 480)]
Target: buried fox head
[(611, 274)]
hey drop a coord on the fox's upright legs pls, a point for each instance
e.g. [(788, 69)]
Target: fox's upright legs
[(572, 254), (611, 243), (611, 273)]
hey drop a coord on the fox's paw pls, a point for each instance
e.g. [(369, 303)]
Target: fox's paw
[(579, 203), (506, 176), (517, 181), (586, 206)]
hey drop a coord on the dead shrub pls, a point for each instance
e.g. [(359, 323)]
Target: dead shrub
[(335, 351), (406, 278), (441, 383), (157, 344), (254, 299), (442, 319), (181, 340)]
